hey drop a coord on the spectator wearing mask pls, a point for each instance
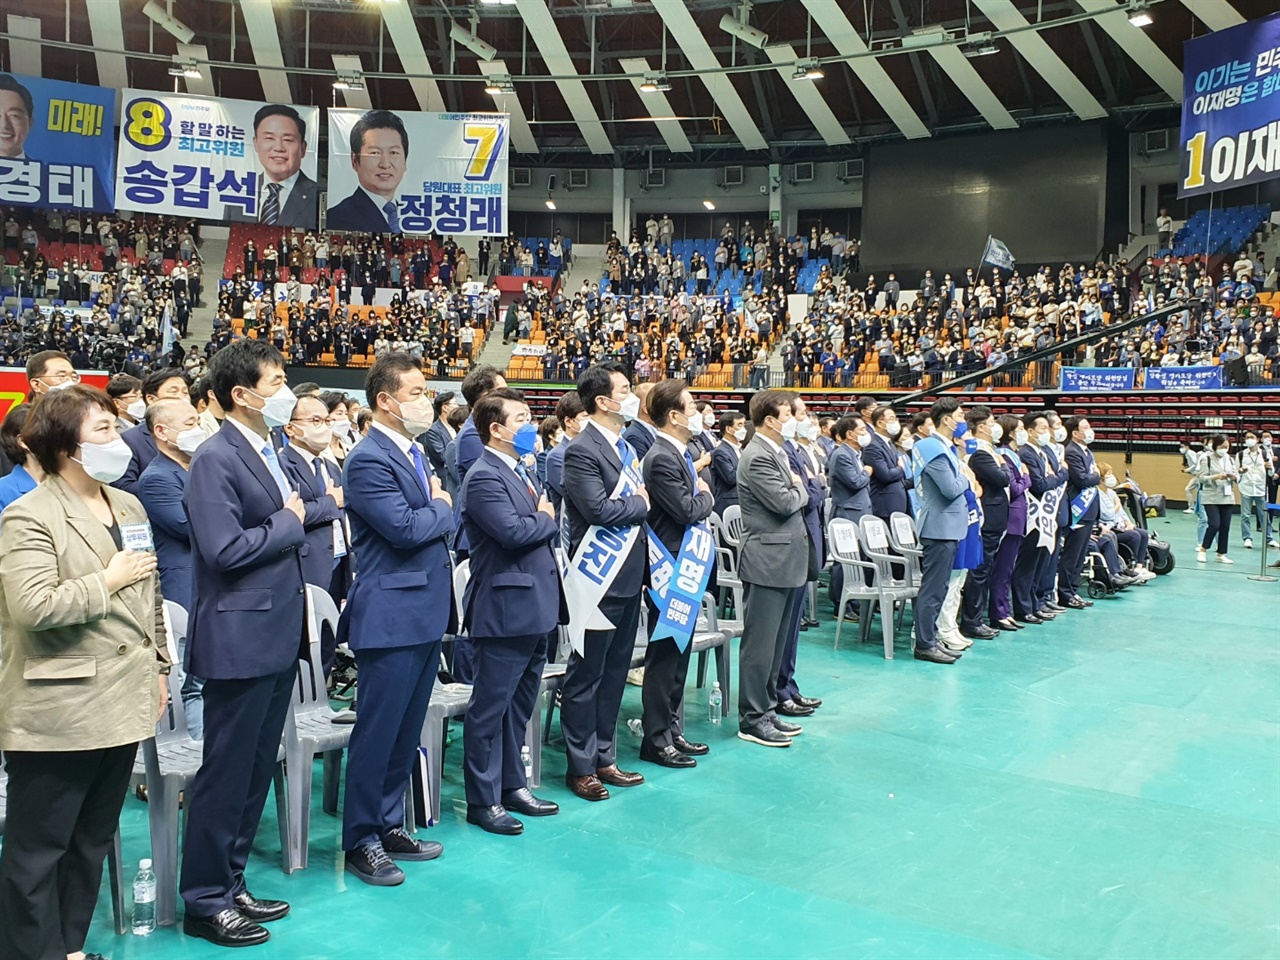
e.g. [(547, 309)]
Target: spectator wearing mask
[(512, 605), (1082, 501), (850, 480), (594, 464), (50, 370), (1255, 474), (168, 383), (889, 478), (27, 472), (70, 716), (1009, 437), (175, 427), (989, 468), (572, 417), (126, 392), (725, 457), (1116, 521), (678, 499), (401, 520), (435, 440), (1035, 559), (1218, 474)]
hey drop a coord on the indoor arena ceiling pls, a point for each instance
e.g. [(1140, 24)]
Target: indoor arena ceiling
[(570, 71)]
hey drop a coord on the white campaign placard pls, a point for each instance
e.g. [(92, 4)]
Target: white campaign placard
[(396, 171), (217, 159)]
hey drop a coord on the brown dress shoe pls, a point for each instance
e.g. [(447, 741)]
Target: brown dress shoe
[(588, 787), (619, 778)]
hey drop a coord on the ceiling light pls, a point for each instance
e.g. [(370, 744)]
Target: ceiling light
[(551, 204), (1139, 17), (170, 24), (708, 204), (461, 35), (185, 68), (348, 82), (981, 50), (498, 84), (655, 83), (498, 3), (926, 37), (743, 31), (808, 70)]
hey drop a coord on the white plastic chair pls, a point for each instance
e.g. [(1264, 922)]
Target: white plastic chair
[(842, 542), (905, 543), (873, 539)]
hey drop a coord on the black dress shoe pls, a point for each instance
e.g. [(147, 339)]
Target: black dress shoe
[(1008, 623), (494, 819), (1045, 614), (808, 622), (372, 865), (980, 632), (522, 801), (588, 787), (666, 757), (764, 734), (787, 729), (1052, 608), (813, 703), (1075, 603), (619, 778), (260, 911), (400, 846), (934, 655), (789, 708), (230, 928), (1030, 618), (688, 748)]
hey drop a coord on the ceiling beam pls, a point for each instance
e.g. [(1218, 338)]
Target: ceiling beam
[(264, 38), (546, 35), (658, 105), (1135, 42), (835, 24), (521, 132), (351, 64), (679, 21), (806, 92), (413, 58), (1006, 17), (1214, 14), (24, 55), (969, 82), (107, 30), (1095, 53)]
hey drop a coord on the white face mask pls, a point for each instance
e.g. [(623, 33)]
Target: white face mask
[(908, 442), (695, 425), (416, 415), (1088, 436), (630, 408), (709, 420), (864, 439), (1250, 442), (740, 434), (1043, 439), (1020, 438), (137, 409), (1059, 433), (812, 430), (277, 409), (997, 432), (105, 462), (189, 440), (318, 437), (1109, 480), (61, 386), (893, 428), (790, 429)]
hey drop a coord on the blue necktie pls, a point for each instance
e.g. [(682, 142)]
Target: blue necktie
[(277, 472), (625, 453), (523, 473), (421, 467), (393, 218), (693, 471)]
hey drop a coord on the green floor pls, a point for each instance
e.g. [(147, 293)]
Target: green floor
[(1104, 786)]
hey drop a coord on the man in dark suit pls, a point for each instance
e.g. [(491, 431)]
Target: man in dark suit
[(678, 500), (849, 481), (168, 383), (287, 196), (1082, 499), (1029, 568), (326, 553), (400, 606), (572, 417), (244, 636), (175, 425), (640, 431), (511, 608), (888, 475), (597, 671), (773, 562), (379, 155), (435, 440), (724, 459), (988, 467), (1055, 455)]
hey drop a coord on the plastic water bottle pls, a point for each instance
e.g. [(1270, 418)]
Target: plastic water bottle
[(636, 728), (144, 900), (714, 703), (527, 759)]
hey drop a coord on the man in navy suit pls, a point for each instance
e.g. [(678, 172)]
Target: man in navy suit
[(379, 155), (325, 555), (1082, 482), (244, 636), (401, 604), (175, 425), (725, 457), (435, 440), (573, 417), (678, 500), (1055, 455), (594, 681), (169, 383), (888, 474), (641, 432), (512, 605)]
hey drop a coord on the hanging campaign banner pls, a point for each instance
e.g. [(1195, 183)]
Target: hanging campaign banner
[(1183, 378), (57, 144), (1096, 379), (1230, 136), (399, 172), (217, 159)]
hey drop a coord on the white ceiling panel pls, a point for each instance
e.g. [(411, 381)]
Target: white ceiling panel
[(408, 43), (1135, 42), (971, 84), (1214, 14), (107, 30), (521, 132), (264, 38), (24, 55), (808, 93)]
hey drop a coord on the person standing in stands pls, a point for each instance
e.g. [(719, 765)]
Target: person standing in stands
[(679, 499), (600, 467), (512, 605), (1082, 499), (1218, 474), (244, 637), (401, 520)]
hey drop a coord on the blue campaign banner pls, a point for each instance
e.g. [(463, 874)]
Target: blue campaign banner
[(1230, 104), (57, 144), (1096, 379), (1183, 378)]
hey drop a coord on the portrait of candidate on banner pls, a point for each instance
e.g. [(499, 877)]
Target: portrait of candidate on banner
[(44, 159), (287, 197), (379, 147)]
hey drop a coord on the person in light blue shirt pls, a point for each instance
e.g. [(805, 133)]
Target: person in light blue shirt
[(26, 473)]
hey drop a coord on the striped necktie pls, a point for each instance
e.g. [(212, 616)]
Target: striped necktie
[(271, 209)]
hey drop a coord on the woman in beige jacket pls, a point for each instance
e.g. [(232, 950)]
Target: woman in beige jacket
[(81, 677)]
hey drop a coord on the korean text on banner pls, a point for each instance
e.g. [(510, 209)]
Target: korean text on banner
[(418, 172), (218, 159), (1183, 378), (1096, 379), (57, 144), (1230, 133)]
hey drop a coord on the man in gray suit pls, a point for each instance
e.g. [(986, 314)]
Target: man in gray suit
[(774, 561), (943, 522)]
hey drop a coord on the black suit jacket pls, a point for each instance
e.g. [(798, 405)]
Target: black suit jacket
[(676, 502), (639, 436), (1082, 472), (724, 464), (991, 473), (358, 212), (888, 479), (299, 209)]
